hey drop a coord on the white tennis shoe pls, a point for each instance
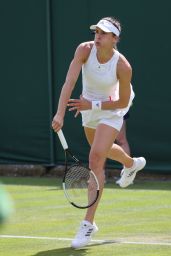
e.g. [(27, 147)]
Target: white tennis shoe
[(83, 236), (117, 181), (128, 174)]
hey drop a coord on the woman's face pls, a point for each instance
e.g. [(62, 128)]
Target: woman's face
[(104, 39)]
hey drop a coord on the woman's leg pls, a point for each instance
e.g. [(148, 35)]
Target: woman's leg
[(115, 152), (121, 139), (101, 141)]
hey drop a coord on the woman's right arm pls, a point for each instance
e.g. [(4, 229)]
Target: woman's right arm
[(71, 79)]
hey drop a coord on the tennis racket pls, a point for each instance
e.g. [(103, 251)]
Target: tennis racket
[(80, 184)]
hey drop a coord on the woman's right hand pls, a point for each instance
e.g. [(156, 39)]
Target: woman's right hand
[(57, 122)]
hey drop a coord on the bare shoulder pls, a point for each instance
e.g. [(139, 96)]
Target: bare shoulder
[(83, 50), (123, 66)]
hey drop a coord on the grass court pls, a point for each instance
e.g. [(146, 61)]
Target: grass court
[(132, 222)]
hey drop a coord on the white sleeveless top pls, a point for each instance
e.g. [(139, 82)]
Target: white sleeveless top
[(100, 81)]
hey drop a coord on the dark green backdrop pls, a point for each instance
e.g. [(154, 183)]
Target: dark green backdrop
[(38, 40)]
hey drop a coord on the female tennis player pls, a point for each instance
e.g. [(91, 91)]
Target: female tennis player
[(106, 97)]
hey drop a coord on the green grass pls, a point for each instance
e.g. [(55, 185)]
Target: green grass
[(141, 213)]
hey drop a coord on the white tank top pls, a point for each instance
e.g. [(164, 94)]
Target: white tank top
[(100, 81)]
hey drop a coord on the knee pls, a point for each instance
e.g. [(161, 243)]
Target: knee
[(96, 160)]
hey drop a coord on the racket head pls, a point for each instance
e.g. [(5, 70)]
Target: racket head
[(80, 186)]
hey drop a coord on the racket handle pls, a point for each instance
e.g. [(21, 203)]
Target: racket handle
[(62, 139)]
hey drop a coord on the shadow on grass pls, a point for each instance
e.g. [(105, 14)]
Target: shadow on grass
[(66, 251)]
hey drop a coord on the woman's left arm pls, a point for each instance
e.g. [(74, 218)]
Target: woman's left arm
[(124, 74)]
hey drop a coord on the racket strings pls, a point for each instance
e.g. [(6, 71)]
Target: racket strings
[(77, 177), (81, 185)]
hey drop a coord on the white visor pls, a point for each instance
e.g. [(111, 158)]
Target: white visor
[(106, 26)]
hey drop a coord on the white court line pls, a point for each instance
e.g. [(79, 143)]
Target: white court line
[(93, 241)]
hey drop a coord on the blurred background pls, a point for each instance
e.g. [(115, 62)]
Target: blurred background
[(38, 41)]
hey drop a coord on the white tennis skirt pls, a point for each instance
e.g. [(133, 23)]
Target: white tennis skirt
[(114, 118), (92, 118)]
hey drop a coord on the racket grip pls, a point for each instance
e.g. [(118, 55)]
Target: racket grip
[(62, 139)]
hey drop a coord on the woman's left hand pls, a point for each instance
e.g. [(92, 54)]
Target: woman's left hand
[(79, 105)]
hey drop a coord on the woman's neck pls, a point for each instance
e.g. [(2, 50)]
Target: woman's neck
[(104, 56)]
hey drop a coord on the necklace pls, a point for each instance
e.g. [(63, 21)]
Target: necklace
[(104, 61)]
